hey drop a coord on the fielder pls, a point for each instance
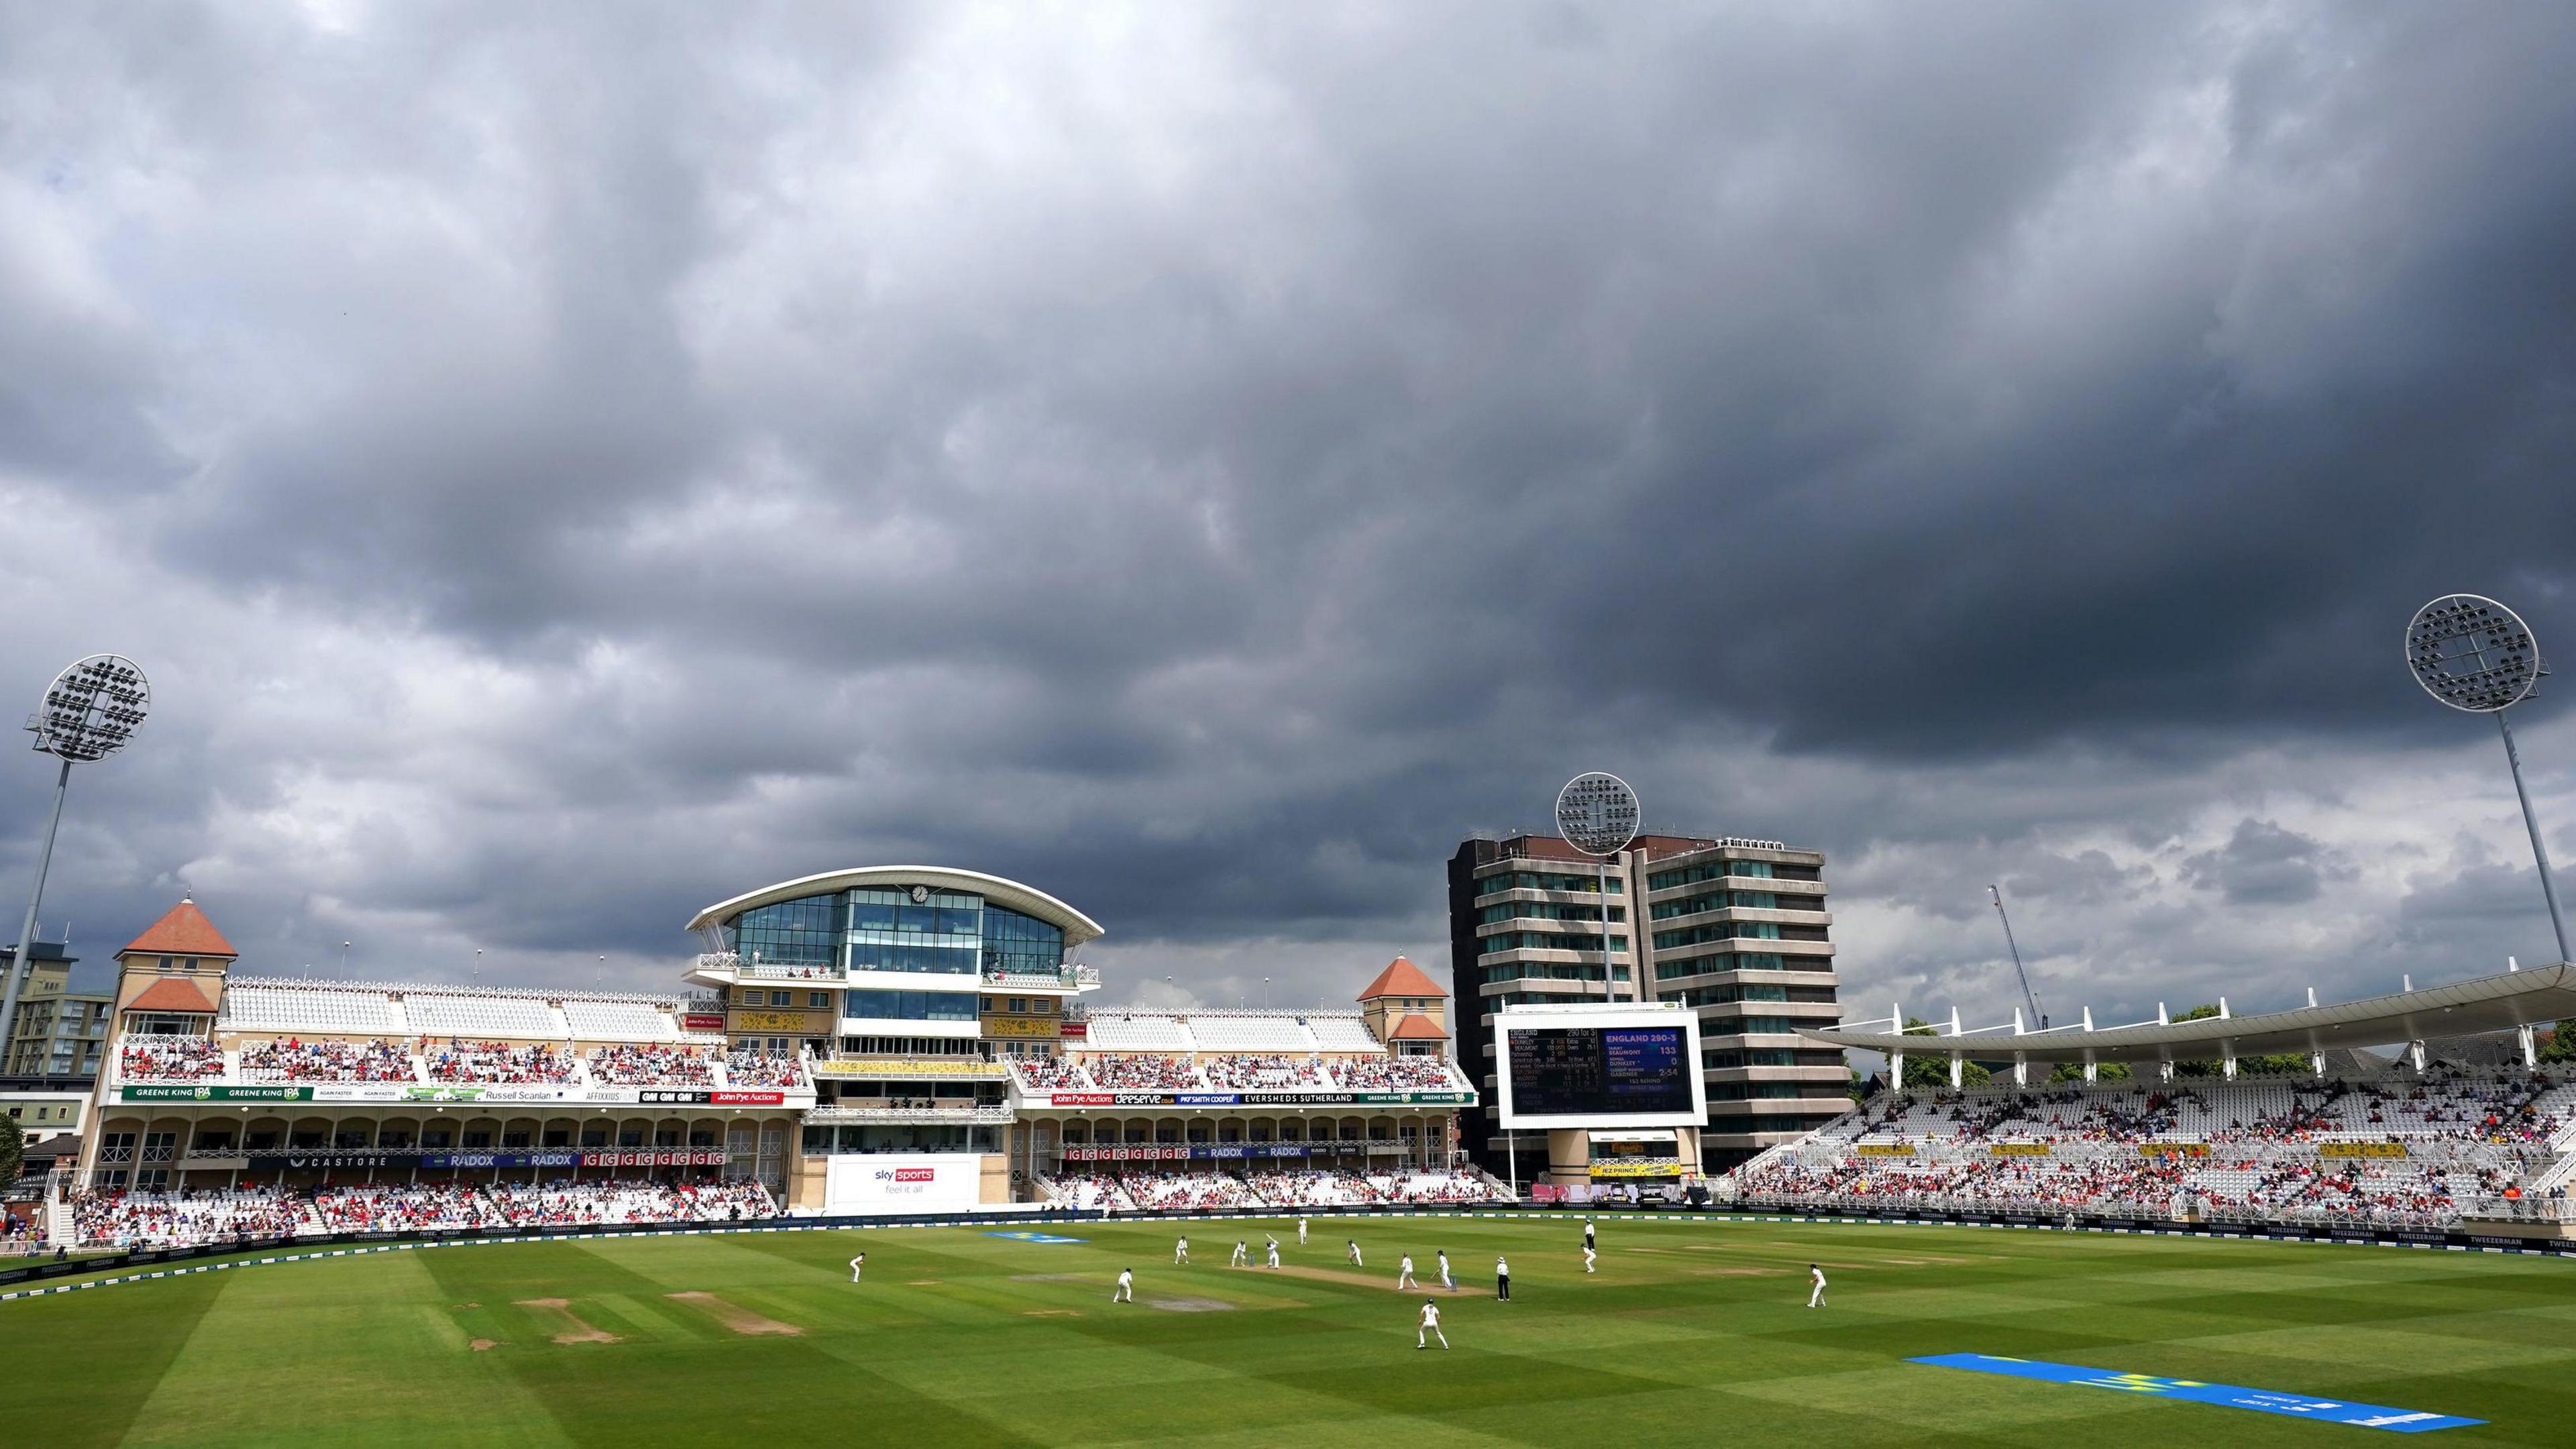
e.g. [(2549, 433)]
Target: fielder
[(856, 1264), (1126, 1287), (1181, 1252), (1301, 1232), (1355, 1254), (1816, 1299), (1242, 1256), (1445, 1280), (1404, 1273), (1430, 1325), (1588, 1255)]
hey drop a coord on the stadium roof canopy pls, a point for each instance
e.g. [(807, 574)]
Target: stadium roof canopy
[(2463, 1008), (1008, 894)]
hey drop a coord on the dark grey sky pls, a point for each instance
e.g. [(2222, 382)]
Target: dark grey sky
[(561, 468)]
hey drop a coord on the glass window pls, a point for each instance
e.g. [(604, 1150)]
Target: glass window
[(913, 1005), (803, 932)]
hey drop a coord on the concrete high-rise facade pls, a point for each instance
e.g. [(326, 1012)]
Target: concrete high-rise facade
[(1737, 929)]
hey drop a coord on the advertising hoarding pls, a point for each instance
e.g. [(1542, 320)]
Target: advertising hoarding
[(903, 1182)]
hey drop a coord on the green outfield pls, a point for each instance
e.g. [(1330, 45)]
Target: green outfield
[(1690, 1333)]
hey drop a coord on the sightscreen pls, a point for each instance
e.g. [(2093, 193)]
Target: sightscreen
[(1603, 1072)]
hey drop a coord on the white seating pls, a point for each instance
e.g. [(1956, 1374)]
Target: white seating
[(1116, 1033), (1341, 1034), (433, 1014), (618, 1021), (1250, 1034), (310, 1009)]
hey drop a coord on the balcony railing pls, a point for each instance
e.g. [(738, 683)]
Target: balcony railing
[(1072, 976), (967, 1112)]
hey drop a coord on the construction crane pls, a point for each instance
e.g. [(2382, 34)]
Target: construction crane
[(2027, 995)]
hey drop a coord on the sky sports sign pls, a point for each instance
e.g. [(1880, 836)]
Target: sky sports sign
[(1251, 1099)]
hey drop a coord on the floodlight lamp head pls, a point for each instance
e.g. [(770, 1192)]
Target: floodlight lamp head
[(1597, 813), (2473, 654), (92, 709)]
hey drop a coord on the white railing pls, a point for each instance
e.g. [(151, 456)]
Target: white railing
[(964, 1112), (2523, 1209)]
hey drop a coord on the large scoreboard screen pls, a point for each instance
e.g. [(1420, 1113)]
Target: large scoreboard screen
[(1601, 1074)]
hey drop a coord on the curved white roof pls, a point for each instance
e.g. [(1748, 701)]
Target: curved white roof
[(1008, 894), (2463, 1008)]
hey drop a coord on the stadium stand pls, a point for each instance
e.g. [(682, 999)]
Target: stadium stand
[(1141, 1073), (493, 1061), (749, 1069), (1251, 1034), (651, 1064), (417, 1207), (1126, 1032), (291, 1060), (1392, 1074), (1047, 1074), (170, 1058), (2392, 1150), (437, 1014), (181, 1219), (1263, 1073), (168, 1219), (592, 1020), (309, 1009), (1217, 1191), (561, 1203)]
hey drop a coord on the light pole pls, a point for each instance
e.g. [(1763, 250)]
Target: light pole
[(90, 711), (2477, 656), (1597, 814)]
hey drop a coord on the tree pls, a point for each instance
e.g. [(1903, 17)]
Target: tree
[(13, 1150), (1931, 1073), (2106, 1071), (2561, 1046), (2280, 1064)]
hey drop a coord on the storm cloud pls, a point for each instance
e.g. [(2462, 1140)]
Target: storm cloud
[(563, 467)]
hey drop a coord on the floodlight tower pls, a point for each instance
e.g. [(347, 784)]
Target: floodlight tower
[(1597, 814), (2477, 656), (90, 711)]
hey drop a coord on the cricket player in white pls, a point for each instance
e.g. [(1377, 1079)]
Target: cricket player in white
[(1816, 1299), (1355, 1254), (1126, 1287), (1404, 1272), (1444, 1272), (1274, 1252), (1588, 1255), (856, 1264), (1301, 1232), (1181, 1252), (1430, 1325), (1242, 1256)]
